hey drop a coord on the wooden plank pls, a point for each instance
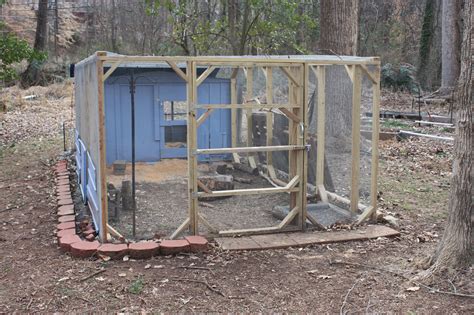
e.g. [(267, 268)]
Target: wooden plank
[(255, 231), (321, 128), (375, 142), (111, 70), (194, 169), (233, 114), (304, 179), (180, 229), (274, 241), (372, 76), (323, 193), (207, 224), (102, 185), (350, 72), (237, 243), (289, 217), (250, 149), (248, 106), (203, 187), (242, 192), (178, 71), (205, 74), (269, 118), (238, 61), (355, 167), (203, 117), (290, 115), (367, 213), (248, 96), (300, 239), (290, 76)]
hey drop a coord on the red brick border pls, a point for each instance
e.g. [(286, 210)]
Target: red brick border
[(82, 244)]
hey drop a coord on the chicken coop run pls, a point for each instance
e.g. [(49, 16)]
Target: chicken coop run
[(226, 145)]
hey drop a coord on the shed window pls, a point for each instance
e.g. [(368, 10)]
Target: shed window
[(175, 110)]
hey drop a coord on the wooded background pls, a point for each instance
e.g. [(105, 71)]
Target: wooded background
[(406, 34)]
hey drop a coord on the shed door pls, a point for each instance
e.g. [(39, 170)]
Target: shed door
[(147, 138)]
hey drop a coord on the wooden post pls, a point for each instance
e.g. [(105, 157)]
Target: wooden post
[(191, 142), (321, 129), (102, 151), (304, 178), (248, 97), (269, 118), (375, 141), (233, 112), (355, 168)]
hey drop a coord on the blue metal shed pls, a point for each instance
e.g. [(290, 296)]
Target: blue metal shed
[(160, 114)]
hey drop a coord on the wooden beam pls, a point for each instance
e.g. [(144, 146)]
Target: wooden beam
[(290, 76), (203, 187), (111, 70), (191, 91), (372, 77), (178, 71), (355, 167), (205, 74), (180, 229), (248, 106), (114, 232), (249, 95), (366, 214), (290, 115), (233, 113), (322, 193), (304, 180), (269, 119), (251, 149), (350, 72), (375, 141), (244, 192), (314, 222), (289, 217), (102, 183), (207, 224), (204, 116), (321, 125)]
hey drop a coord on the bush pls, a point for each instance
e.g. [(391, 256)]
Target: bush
[(400, 78)]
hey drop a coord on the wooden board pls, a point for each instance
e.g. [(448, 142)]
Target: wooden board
[(300, 239)]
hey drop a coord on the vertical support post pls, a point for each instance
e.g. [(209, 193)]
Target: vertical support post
[(375, 141), (269, 119), (102, 162), (355, 168), (191, 142), (248, 97), (304, 178), (233, 112), (321, 129)]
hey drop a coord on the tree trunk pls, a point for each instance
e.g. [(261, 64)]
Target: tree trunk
[(450, 45), (31, 76), (338, 36), (429, 57), (455, 248), (339, 26)]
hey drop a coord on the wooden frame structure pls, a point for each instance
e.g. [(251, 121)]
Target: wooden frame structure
[(297, 70)]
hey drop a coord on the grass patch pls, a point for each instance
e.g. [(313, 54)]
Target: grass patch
[(137, 286), (395, 124)]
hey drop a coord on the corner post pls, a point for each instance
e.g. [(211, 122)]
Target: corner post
[(375, 140), (355, 168), (102, 149)]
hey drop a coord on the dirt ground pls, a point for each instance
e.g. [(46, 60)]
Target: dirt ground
[(357, 277)]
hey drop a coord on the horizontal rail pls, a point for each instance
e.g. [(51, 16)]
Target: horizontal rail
[(290, 187), (250, 149), (247, 106)]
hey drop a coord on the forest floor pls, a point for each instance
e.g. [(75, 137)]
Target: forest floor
[(356, 277)]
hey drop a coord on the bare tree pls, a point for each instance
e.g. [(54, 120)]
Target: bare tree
[(455, 248), (450, 45), (32, 73)]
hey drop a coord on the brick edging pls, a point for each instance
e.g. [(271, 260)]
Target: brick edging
[(79, 238)]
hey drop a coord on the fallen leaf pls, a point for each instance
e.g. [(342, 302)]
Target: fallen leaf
[(126, 258), (122, 274), (147, 266), (324, 277), (412, 289)]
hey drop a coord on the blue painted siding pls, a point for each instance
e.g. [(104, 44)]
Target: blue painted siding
[(153, 89)]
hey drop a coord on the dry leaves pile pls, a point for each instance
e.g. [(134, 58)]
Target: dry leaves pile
[(35, 113)]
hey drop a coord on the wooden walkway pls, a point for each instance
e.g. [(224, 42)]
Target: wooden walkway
[(301, 239)]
